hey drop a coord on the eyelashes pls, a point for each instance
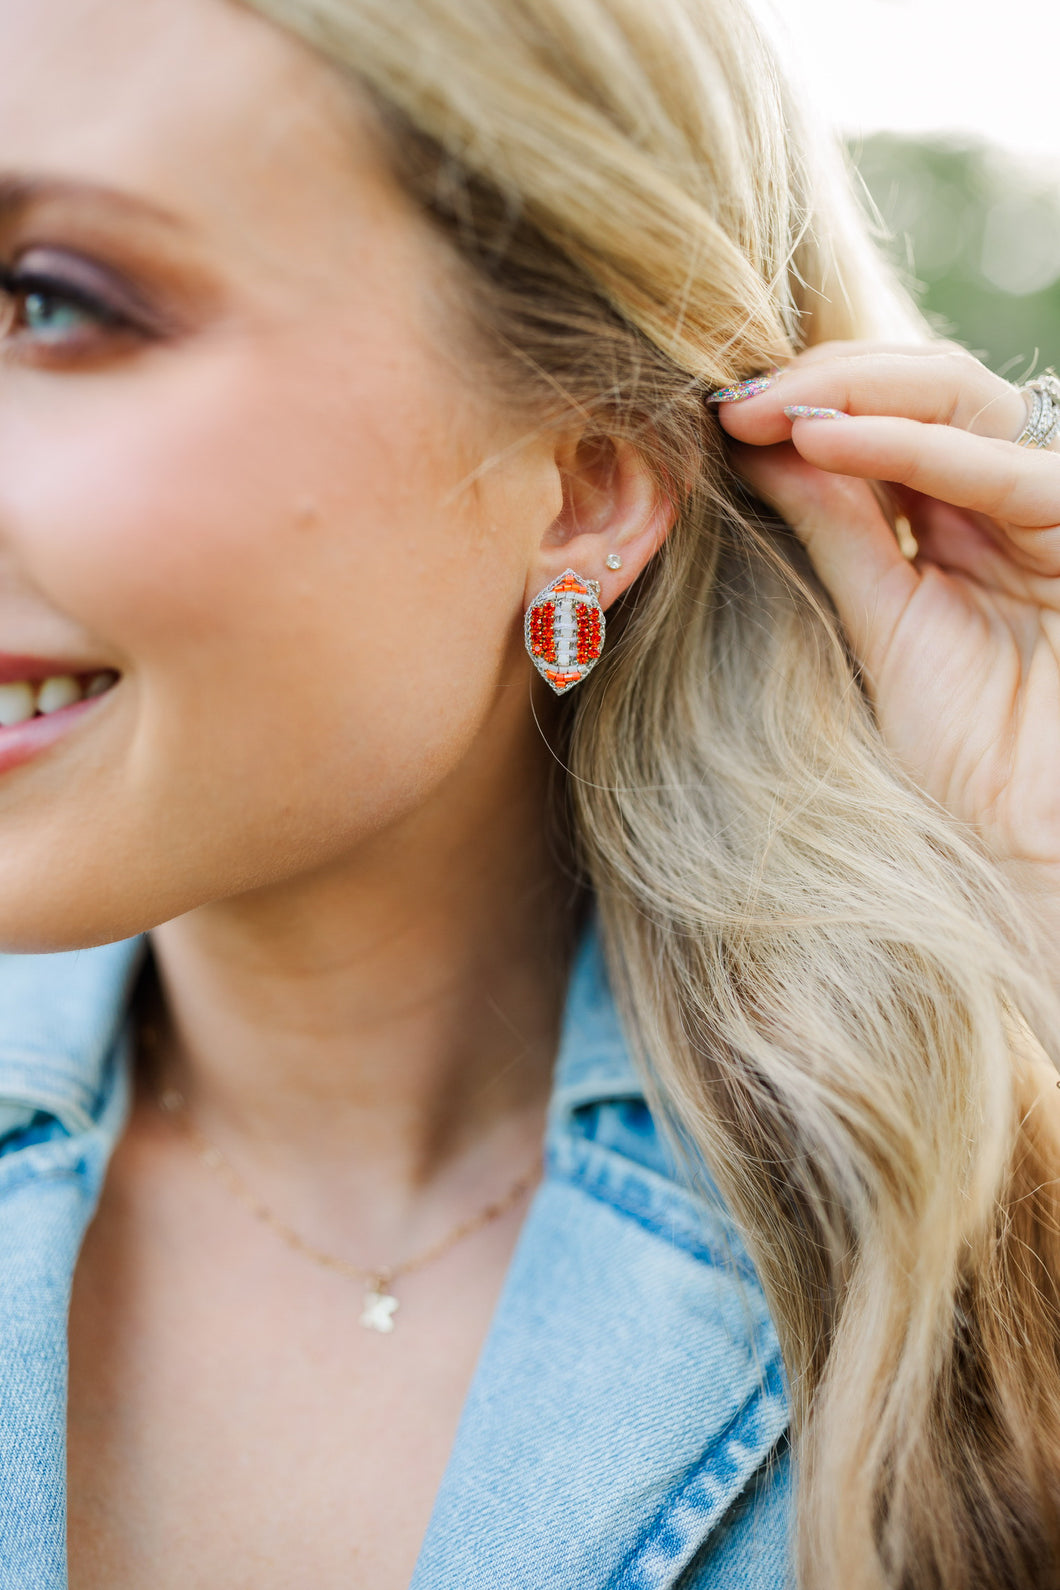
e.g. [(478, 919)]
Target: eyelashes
[(52, 306), (35, 299)]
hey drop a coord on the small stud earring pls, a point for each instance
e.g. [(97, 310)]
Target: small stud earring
[(564, 630), (612, 561)]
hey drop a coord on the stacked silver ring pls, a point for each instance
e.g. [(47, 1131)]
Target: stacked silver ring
[(1043, 422)]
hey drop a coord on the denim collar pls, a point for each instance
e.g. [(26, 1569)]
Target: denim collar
[(60, 1019), (593, 1063), (630, 1391)]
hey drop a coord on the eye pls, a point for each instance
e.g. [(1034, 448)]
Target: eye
[(41, 309), (52, 315)]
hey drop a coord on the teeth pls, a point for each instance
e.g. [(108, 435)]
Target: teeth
[(60, 691), (21, 698), (18, 702), (99, 683)]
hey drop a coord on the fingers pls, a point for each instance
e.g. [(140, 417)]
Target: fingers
[(849, 542), (1017, 486), (938, 386), (938, 429)]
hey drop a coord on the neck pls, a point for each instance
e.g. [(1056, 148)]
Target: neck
[(385, 1027)]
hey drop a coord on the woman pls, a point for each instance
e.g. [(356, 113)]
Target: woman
[(353, 349)]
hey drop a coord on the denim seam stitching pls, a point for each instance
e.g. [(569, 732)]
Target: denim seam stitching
[(637, 1572)]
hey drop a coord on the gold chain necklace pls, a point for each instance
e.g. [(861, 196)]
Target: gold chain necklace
[(380, 1305)]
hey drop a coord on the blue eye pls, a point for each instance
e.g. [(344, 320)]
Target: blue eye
[(44, 311), (51, 316)]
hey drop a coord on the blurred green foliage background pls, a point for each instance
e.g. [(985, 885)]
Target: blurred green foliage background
[(979, 230)]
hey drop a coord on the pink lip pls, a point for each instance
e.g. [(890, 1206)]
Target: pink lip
[(14, 667), (24, 740)]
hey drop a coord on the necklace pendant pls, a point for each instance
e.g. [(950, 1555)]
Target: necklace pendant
[(379, 1308)]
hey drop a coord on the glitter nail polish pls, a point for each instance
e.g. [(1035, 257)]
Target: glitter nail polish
[(805, 411), (743, 389)]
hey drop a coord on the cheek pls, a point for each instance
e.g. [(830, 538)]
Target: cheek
[(310, 617), (152, 509)]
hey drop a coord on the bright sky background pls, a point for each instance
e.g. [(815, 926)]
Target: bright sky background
[(986, 66)]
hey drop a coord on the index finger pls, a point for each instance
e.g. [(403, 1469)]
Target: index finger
[(943, 387)]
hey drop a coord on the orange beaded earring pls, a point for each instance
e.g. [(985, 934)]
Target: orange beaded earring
[(564, 630)]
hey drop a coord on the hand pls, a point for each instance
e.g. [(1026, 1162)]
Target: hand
[(960, 645)]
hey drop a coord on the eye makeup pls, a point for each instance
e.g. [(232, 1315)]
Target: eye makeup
[(55, 300)]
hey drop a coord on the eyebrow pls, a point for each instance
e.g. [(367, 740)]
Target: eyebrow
[(21, 192)]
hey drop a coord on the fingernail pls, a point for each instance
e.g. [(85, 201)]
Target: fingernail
[(804, 411), (743, 389)]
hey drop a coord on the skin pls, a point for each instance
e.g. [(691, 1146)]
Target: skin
[(320, 781)]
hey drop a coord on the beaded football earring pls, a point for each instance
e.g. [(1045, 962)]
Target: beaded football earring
[(564, 630)]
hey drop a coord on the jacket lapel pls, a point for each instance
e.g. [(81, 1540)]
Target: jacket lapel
[(626, 1395), (630, 1386)]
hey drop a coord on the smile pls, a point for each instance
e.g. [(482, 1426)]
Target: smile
[(38, 703)]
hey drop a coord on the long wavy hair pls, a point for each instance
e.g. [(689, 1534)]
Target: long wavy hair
[(826, 981)]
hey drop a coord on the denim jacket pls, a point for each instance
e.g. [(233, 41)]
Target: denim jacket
[(625, 1428)]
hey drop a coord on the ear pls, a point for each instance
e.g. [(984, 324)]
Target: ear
[(612, 504)]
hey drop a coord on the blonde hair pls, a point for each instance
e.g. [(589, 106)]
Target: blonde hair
[(820, 972)]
